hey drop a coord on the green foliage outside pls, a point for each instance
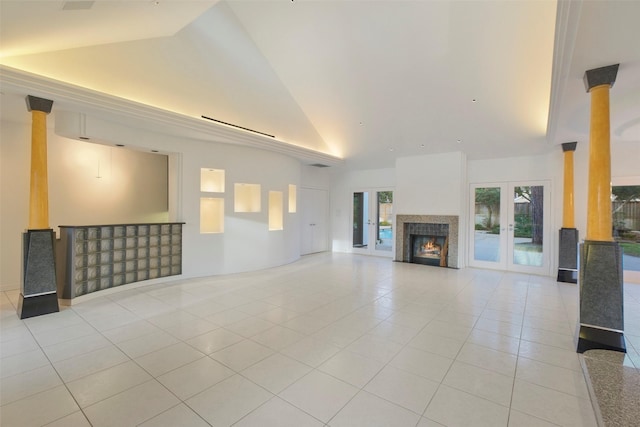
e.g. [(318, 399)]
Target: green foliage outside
[(626, 192), (385, 196), (628, 239), (631, 249), (523, 226)]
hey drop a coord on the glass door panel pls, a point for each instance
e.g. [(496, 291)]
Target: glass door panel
[(361, 220), (625, 205), (528, 230), (384, 227), (528, 225), (487, 232), (509, 228), (372, 222)]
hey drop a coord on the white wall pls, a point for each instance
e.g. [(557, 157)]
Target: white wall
[(430, 184), (246, 244), (424, 185), (344, 184), (434, 184), (315, 177), (132, 187)]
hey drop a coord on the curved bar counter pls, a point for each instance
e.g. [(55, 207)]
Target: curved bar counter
[(91, 258)]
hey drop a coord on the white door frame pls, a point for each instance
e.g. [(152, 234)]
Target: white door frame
[(371, 222), (506, 238)]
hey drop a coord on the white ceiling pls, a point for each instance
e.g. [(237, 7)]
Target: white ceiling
[(365, 81)]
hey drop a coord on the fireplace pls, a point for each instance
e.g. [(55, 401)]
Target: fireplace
[(427, 239), (429, 250)]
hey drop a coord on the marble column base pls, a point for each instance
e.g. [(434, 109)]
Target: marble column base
[(590, 338), (37, 305), (38, 293), (568, 256), (601, 296)]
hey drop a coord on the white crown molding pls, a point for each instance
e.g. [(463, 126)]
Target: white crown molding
[(90, 102), (567, 22)]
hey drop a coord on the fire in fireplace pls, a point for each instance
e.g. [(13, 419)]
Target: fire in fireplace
[(429, 250), (443, 227)]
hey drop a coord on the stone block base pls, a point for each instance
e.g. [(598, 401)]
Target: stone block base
[(567, 276), (37, 305), (590, 338), (38, 293), (601, 295), (568, 256)]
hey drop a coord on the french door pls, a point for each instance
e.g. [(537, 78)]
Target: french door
[(510, 226), (314, 205), (372, 222)]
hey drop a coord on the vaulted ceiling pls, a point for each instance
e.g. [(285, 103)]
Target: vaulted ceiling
[(363, 81)]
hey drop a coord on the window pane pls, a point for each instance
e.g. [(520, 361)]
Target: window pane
[(528, 209), (487, 224), (626, 223), (384, 230)]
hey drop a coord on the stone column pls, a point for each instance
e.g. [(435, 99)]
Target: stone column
[(601, 283), (38, 293), (568, 253)]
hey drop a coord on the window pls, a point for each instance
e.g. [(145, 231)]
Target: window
[(625, 205)]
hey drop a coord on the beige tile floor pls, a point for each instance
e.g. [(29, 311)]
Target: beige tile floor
[(333, 339)]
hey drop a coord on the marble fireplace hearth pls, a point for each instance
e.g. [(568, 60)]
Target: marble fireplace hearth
[(404, 223)]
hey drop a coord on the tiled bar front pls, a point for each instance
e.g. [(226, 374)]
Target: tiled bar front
[(96, 257)]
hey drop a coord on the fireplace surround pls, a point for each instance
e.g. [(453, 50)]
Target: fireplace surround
[(429, 225)]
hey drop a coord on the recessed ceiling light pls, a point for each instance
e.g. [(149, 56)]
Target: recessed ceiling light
[(154, 151), (459, 141), (421, 145), (473, 100), (390, 148), (119, 145)]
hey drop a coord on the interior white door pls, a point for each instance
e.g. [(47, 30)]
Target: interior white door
[(314, 205), (372, 222), (510, 230)]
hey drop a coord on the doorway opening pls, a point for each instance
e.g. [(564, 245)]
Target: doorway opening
[(372, 224), (510, 226)]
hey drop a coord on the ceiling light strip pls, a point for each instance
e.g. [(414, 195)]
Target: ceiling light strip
[(236, 126)]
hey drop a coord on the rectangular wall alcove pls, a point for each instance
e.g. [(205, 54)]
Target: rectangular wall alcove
[(211, 180), (293, 198), (246, 198), (211, 215), (275, 211)]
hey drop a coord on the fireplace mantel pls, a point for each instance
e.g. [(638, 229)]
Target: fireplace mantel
[(401, 220)]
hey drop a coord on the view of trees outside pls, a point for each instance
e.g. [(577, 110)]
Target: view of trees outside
[(625, 205), (528, 210), (385, 221), (487, 224), (528, 222), (488, 209)]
